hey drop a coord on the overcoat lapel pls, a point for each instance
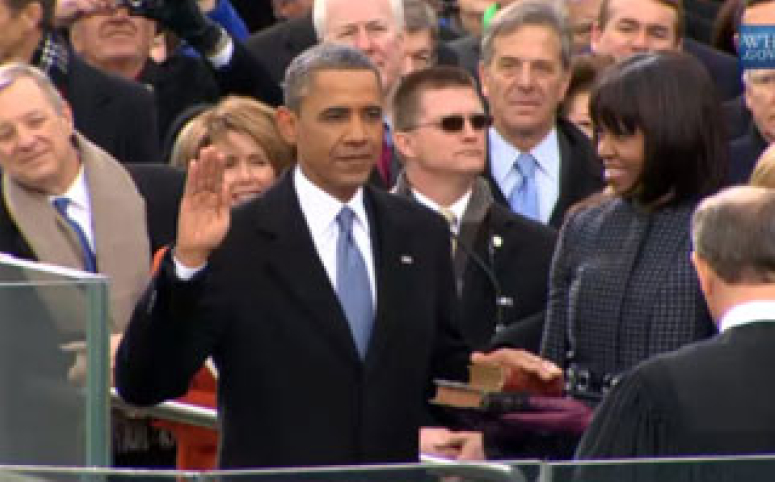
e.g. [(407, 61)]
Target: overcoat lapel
[(393, 266), (120, 230), (293, 261)]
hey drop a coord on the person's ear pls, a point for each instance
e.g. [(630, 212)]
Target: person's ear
[(287, 124), (66, 117), (704, 274), (484, 79), (31, 15), (594, 40), (405, 144)]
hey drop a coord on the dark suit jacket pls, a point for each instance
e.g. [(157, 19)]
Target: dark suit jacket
[(292, 388), (737, 117), (114, 113), (743, 154), (521, 266), (162, 187), (182, 81), (467, 50), (246, 75), (500, 255), (722, 67), (708, 398), (700, 15), (580, 172), (276, 46)]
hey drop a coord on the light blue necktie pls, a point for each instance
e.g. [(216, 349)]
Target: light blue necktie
[(89, 260), (524, 196), (352, 283)]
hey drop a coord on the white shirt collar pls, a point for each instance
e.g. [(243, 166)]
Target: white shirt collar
[(321, 209), (458, 208), (547, 154), (77, 193), (745, 313)]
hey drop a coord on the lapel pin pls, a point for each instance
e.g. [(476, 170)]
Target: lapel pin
[(497, 241), (406, 259)]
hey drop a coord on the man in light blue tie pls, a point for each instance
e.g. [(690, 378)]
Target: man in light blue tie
[(327, 305), (539, 164), (524, 196), (352, 283)]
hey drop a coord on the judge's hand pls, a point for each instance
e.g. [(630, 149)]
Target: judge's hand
[(453, 445), (471, 446), (524, 369), (204, 210), (437, 441)]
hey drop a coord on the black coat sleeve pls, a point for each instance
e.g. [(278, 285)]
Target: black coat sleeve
[(627, 424), (245, 75), (167, 340)]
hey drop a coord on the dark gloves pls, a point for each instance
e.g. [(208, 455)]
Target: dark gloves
[(186, 20)]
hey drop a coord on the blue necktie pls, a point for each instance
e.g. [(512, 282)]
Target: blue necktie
[(89, 260), (524, 197), (352, 283)]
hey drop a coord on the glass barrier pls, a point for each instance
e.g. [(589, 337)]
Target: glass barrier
[(54, 365), (738, 469), (393, 473), (716, 469)]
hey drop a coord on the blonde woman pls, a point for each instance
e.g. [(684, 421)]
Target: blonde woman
[(244, 131), (764, 173)]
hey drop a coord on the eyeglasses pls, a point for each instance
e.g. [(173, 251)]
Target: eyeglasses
[(456, 122)]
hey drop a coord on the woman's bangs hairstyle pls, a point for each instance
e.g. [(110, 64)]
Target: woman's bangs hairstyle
[(672, 101)]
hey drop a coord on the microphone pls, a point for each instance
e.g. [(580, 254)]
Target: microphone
[(501, 302)]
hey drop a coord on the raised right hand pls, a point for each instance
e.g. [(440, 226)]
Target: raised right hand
[(204, 210)]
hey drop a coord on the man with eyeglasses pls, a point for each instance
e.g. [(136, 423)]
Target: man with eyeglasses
[(539, 164), (758, 98)]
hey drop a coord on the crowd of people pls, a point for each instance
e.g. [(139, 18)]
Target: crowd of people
[(318, 218)]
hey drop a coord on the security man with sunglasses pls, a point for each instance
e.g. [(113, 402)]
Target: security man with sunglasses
[(501, 259)]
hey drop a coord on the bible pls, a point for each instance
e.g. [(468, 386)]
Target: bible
[(492, 389)]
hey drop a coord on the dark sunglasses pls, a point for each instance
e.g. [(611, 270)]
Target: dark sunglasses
[(456, 122)]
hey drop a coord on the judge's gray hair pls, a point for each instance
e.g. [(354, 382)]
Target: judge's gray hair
[(734, 233)]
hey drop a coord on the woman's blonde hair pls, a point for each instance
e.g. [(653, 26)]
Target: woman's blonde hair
[(764, 173), (233, 114)]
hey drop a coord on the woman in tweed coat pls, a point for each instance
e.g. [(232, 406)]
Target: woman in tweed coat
[(622, 288)]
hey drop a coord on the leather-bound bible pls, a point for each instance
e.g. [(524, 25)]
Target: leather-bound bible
[(493, 389)]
